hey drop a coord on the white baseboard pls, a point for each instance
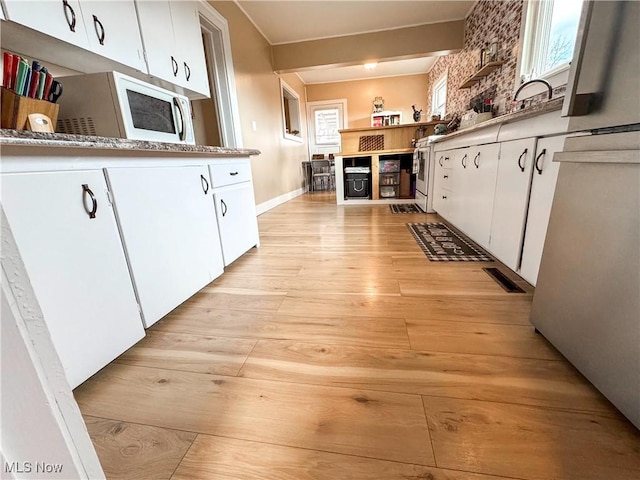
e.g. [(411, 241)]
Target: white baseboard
[(274, 202)]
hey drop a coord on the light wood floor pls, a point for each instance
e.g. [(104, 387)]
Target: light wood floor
[(338, 351)]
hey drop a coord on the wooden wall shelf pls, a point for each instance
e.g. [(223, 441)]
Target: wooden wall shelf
[(480, 74)]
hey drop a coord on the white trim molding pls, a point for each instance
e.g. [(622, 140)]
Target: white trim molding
[(279, 200), (224, 85)]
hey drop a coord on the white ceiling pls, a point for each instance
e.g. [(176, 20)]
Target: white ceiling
[(288, 21)]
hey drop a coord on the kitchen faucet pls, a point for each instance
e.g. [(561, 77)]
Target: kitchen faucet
[(525, 84)]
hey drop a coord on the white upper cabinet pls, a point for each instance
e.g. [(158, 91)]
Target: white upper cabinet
[(61, 19), (109, 29), (113, 32), (157, 36), (173, 42), (188, 41)]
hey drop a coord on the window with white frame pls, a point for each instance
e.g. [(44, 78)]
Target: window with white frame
[(439, 97), (291, 124), (549, 38), (326, 124)]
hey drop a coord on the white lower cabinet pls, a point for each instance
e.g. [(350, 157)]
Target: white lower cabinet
[(484, 168), (499, 194), (168, 226), (511, 200), (543, 186), (458, 159), (470, 198), (442, 183), (67, 235), (237, 222)]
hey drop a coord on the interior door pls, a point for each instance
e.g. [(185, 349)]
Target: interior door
[(324, 120)]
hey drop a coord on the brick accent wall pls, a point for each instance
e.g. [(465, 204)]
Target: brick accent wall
[(489, 19)]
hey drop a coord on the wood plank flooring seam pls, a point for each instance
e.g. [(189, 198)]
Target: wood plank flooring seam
[(185, 454), (426, 417), (105, 417), (247, 358), (179, 371), (612, 414), (369, 457), (599, 413)]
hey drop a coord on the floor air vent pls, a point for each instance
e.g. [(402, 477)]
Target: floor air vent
[(503, 281)]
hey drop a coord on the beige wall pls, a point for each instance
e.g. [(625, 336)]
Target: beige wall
[(399, 93), (277, 170)]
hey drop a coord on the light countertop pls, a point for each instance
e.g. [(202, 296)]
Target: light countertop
[(533, 111), (57, 140)]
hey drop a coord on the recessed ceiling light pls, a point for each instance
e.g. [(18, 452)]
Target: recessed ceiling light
[(370, 65)]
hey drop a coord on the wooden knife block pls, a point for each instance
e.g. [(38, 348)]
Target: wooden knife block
[(16, 108)]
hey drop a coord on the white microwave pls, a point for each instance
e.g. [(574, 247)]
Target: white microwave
[(111, 104)]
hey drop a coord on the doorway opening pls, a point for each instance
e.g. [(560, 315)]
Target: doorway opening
[(220, 113)]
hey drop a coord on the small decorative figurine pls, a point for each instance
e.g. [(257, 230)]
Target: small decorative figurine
[(378, 105), (416, 114)]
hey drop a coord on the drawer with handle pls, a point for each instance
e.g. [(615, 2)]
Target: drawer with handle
[(230, 173)]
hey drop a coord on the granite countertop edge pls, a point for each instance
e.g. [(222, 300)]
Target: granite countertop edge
[(539, 109), (57, 140)]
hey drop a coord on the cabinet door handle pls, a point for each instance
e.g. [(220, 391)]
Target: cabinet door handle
[(68, 9), (94, 203), (520, 164), (224, 207), (464, 165), (97, 23), (440, 161), (539, 169), (205, 184), (183, 121), (233, 174), (187, 71), (174, 66), (444, 197), (476, 160), (446, 176)]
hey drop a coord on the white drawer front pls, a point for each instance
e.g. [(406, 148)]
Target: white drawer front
[(229, 173)]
